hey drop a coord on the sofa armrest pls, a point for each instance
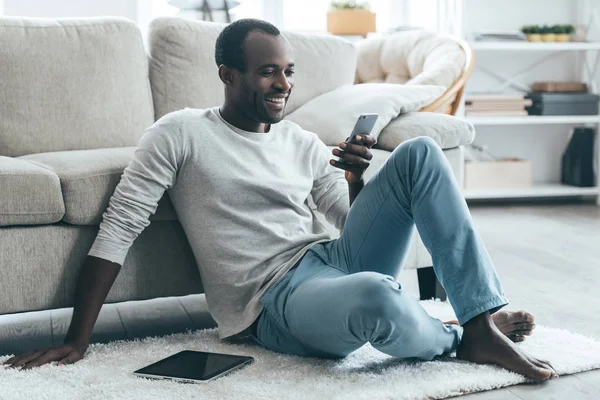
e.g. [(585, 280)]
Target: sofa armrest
[(447, 131), (29, 194)]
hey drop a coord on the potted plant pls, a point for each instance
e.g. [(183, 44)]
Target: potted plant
[(350, 18), (548, 33), (563, 33), (532, 32)]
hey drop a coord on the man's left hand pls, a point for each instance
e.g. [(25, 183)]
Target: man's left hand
[(357, 157)]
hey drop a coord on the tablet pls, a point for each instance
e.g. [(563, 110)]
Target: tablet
[(194, 366)]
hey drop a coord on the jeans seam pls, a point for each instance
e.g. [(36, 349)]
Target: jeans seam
[(372, 222)]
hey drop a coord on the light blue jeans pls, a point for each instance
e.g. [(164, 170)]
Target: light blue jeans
[(343, 293)]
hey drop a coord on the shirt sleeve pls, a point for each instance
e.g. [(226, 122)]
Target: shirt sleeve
[(152, 171), (330, 189)]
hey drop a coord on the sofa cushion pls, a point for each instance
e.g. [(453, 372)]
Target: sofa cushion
[(29, 195), (446, 130), (183, 72), (72, 84), (332, 115), (88, 179)]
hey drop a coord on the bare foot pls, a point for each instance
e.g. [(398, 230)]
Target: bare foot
[(484, 343), (514, 324)]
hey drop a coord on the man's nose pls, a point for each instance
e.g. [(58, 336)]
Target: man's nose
[(283, 83)]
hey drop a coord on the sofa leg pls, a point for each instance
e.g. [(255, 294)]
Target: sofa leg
[(429, 285)]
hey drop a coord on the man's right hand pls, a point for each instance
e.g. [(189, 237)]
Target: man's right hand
[(64, 354)]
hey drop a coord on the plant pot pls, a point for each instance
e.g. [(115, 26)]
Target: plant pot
[(549, 37), (350, 22), (534, 37), (563, 37)]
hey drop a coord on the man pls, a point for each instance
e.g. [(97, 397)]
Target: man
[(239, 178)]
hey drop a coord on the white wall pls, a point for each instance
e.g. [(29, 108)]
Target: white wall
[(71, 8)]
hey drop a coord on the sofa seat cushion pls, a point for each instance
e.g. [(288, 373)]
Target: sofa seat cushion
[(447, 131), (29, 195), (88, 179)]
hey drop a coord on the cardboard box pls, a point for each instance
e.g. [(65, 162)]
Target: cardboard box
[(350, 22), (502, 174)]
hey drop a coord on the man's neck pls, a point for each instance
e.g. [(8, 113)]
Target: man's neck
[(236, 119)]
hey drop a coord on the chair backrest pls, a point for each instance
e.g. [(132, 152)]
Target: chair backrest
[(416, 57), (72, 84)]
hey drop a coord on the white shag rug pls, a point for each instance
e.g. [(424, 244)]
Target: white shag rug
[(106, 371)]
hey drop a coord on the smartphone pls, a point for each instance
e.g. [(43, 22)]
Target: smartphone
[(194, 366), (364, 124)]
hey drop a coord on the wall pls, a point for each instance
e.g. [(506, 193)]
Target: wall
[(71, 8)]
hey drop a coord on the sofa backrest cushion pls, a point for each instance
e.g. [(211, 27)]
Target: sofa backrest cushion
[(183, 72), (72, 84)]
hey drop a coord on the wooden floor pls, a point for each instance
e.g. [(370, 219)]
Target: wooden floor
[(547, 256)]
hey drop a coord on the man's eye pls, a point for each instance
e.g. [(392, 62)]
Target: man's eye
[(290, 73), (266, 73)]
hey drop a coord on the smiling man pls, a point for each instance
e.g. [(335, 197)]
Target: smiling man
[(240, 177)]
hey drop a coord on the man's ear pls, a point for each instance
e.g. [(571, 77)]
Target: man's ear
[(226, 74)]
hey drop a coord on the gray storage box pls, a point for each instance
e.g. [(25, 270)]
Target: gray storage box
[(563, 103)]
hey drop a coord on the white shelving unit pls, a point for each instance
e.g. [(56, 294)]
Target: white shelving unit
[(588, 56)]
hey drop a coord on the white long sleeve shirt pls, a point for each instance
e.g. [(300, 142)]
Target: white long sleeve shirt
[(241, 198)]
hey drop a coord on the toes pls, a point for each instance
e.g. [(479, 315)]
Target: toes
[(523, 332), (521, 316), (522, 327), (545, 365)]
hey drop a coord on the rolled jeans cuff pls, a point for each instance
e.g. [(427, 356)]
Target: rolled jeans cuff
[(492, 306)]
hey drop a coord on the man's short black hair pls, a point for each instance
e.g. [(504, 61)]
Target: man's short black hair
[(229, 47)]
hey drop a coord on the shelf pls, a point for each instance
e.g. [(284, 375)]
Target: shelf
[(539, 190), (534, 119), (535, 46)]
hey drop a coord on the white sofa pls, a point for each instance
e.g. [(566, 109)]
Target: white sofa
[(76, 96)]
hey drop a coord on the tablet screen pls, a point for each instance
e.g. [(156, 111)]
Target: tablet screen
[(195, 365)]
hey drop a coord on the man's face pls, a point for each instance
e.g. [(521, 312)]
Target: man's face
[(262, 91)]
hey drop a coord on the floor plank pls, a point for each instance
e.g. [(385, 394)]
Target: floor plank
[(565, 387), (499, 394), (591, 378)]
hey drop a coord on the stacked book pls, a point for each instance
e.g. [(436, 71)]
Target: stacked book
[(479, 105)]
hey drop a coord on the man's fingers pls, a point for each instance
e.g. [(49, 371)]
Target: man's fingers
[(10, 360), (47, 357), (347, 167), (358, 149), (69, 359), (352, 158), (366, 140), (18, 361)]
